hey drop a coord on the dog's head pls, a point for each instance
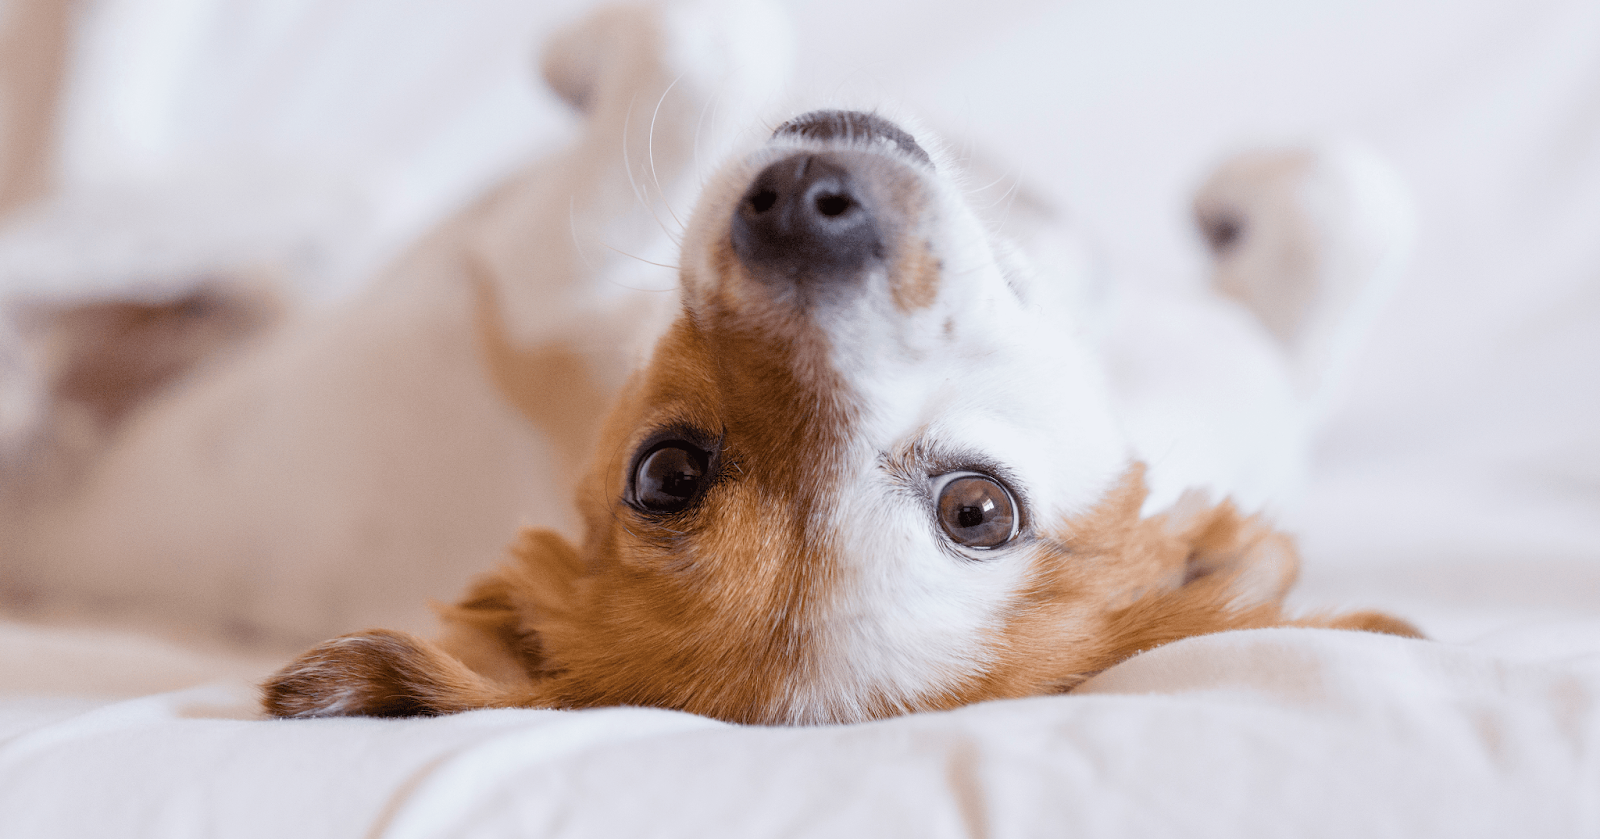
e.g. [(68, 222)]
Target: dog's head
[(864, 472)]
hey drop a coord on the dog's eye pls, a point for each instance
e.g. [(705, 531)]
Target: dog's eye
[(669, 476), (976, 511)]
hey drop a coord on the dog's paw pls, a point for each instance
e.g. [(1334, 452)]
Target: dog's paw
[(377, 673), (630, 54)]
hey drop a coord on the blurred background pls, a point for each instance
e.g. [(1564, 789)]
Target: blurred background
[(1459, 480)]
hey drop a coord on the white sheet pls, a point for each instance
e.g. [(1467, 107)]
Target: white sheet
[(1269, 733)]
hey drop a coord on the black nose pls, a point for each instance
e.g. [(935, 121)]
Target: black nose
[(803, 217)]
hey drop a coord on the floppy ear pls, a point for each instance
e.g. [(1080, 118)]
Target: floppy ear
[(1255, 566), (501, 627), (380, 673), (1245, 559), (1210, 569), (1236, 572)]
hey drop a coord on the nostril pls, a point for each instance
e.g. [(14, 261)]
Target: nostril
[(762, 201), (802, 217), (834, 205)]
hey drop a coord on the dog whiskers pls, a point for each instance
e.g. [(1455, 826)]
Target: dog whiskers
[(641, 259), (699, 130), (1013, 192), (990, 185), (633, 182), (650, 154), (1008, 195)]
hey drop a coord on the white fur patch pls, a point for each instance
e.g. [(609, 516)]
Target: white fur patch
[(979, 378)]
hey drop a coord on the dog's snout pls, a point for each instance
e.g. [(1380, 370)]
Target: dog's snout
[(805, 217)]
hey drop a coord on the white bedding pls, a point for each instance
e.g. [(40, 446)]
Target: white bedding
[(1459, 485), (1262, 733)]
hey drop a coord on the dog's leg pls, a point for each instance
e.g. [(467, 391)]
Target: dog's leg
[(1225, 390), (559, 256), (422, 419), (1311, 241), (659, 85)]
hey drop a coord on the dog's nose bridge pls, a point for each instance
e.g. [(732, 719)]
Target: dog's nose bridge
[(807, 218)]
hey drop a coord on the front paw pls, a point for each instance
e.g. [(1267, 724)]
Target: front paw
[(377, 673)]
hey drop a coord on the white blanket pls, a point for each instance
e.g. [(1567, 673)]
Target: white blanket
[(1281, 732)]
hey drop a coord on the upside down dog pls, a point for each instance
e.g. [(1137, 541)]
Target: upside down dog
[(867, 471)]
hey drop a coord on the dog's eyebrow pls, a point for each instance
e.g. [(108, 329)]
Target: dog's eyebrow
[(914, 462), (852, 125)]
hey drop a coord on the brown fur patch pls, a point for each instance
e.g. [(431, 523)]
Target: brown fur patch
[(108, 357), (379, 673), (674, 606), (914, 280)]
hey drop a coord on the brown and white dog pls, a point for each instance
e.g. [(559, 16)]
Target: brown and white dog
[(868, 470)]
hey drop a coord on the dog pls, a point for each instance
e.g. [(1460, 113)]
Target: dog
[(868, 470)]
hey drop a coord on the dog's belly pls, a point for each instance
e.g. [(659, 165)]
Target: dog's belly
[(340, 477)]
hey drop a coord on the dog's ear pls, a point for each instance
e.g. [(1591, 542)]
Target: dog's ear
[(1241, 555), (1236, 572), (1217, 570), (502, 627), (379, 673), (1253, 566)]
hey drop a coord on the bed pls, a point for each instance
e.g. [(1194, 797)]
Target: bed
[(1457, 484)]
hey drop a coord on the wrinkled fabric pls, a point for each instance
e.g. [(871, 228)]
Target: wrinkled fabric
[(1259, 733)]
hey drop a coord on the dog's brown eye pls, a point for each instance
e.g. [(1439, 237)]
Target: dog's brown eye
[(669, 477), (976, 511)]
